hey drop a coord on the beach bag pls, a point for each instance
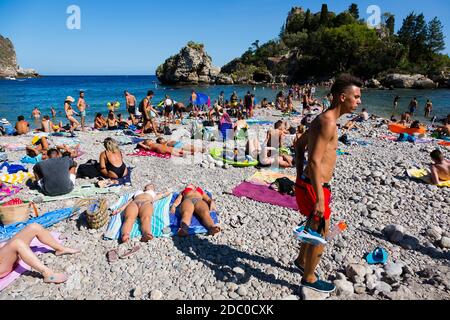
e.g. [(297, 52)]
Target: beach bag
[(167, 131), (89, 170), (97, 214), (15, 211), (284, 186)]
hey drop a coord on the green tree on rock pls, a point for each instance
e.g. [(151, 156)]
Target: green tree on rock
[(435, 36), (354, 11)]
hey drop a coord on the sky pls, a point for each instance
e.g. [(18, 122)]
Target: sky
[(133, 37)]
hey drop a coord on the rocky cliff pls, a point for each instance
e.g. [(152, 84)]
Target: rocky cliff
[(8, 61), (191, 66)]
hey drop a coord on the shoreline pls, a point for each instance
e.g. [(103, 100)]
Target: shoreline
[(252, 258)]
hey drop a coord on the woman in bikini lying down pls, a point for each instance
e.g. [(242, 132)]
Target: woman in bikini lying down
[(141, 205), (18, 248), (194, 200), (150, 145)]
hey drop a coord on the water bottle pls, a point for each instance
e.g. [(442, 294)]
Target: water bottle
[(336, 230)]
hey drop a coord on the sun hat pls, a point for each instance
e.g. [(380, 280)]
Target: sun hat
[(35, 140), (4, 121), (70, 99)]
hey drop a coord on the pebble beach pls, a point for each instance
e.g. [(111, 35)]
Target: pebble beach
[(252, 258)]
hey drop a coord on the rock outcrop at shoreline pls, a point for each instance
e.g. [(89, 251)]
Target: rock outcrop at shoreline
[(191, 66), (8, 61), (415, 81)]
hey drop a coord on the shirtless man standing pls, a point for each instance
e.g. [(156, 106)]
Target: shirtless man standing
[(70, 112), (131, 106), (36, 114), (82, 109), (312, 188), (440, 169)]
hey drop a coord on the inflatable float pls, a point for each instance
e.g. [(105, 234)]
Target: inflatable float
[(230, 158), (398, 128)]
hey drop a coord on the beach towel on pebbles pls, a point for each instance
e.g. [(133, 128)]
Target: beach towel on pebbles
[(160, 219), (45, 220), (6, 192), (17, 178), (425, 176), (164, 224), (78, 192), (262, 193), (38, 248), (266, 178), (145, 153)]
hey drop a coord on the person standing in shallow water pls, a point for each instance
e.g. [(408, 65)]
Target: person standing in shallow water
[(81, 105), (313, 191), (428, 108)]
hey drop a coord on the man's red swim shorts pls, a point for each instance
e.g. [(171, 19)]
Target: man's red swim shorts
[(306, 198)]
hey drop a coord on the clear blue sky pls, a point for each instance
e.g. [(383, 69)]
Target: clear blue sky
[(133, 37)]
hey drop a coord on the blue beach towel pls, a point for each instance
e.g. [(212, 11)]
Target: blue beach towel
[(45, 220), (196, 226), (31, 160), (13, 168)]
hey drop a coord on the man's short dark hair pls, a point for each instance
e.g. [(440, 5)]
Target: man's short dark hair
[(437, 155), (159, 140), (150, 93), (343, 82), (278, 124), (20, 118), (52, 152)]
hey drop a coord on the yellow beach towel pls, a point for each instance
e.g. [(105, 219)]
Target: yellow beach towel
[(17, 178), (425, 176), (268, 177)]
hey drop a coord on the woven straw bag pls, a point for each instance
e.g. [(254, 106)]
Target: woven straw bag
[(17, 213), (97, 214)]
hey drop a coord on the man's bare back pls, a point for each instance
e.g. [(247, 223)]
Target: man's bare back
[(441, 171), (22, 127)]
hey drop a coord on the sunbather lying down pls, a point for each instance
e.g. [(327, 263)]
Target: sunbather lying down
[(194, 200), (141, 205), (268, 156), (18, 248), (150, 145), (181, 146)]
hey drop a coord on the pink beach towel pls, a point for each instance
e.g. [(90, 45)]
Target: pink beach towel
[(8, 191), (145, 153), (38, 248), (264, 194)]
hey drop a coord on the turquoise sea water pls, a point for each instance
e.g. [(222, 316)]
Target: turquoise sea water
[(21, 96)]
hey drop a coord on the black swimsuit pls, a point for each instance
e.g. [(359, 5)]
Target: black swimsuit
[(119, 171)]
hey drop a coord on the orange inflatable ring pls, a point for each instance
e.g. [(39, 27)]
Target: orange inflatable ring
[(398, 128)]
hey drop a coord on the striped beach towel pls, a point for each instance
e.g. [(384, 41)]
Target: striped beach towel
[(160, 220), (16, 178), (164, 224), (6, 192)]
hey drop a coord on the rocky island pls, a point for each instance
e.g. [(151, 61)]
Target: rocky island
[(8, 62)]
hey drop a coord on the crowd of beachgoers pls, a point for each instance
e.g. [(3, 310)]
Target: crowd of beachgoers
[(219, 165)]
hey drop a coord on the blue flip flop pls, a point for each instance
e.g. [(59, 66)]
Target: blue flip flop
[(377, 256)]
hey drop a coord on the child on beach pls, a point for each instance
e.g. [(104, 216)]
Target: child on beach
[(440, 169)]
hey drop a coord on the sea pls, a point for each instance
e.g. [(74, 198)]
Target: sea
[(19, 97)]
